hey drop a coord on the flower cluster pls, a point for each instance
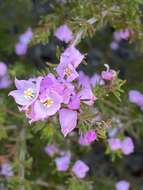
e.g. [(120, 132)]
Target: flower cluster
[(64, 92), (63, 161), (126, 145), (4, 78), (119, 36), (22, 44)]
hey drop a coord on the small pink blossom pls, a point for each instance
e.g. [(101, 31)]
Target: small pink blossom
[(127, 146), (21, 48), (122, 185), (80, 169), (87, 96), (114, 143), (71, 56), (6, 170), (51, 149), (63, 162), (96, 79), (87, 138), (108, 74), (64, 33), (136, 97), (3, 69)]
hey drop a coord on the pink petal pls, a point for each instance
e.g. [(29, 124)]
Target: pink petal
[(68, 120)]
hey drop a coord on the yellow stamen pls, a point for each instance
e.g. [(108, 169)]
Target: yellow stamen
[(48, 102), (68, 71), (28, 93)]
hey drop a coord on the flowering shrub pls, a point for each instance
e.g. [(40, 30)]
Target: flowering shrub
[(66, 120)]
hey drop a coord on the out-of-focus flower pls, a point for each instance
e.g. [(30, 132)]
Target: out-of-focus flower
[(114, 143), (22, 45), (26, 36), (80, 169), (6, 170), (96, 80), (122, 35), (64, 33), (122, 185), (4, 78), (62, 163), (51, 149), (68, 120), (87, 138), (3, 69), (127, 146), (109, 74), (21, 48), (114, 45), (136, 97), (5, 82)]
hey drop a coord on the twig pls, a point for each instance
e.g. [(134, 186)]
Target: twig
[(80, 33)]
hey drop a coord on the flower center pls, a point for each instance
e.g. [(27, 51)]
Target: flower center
[(29, 93), (68, 71), (48, 102)]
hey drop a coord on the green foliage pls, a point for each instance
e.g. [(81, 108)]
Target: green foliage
[(121, 14), (79, 184)]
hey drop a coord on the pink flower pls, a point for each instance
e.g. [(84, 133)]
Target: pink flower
[(22, 45), (67, 71), (5, 82), (122, 185), (6, 170), (108, 74), (127, 146), (114, 143), (83, 80), (71, 56), (48, 104), (27, 92), (64, 33), (87, 96), (74, 102), (51, 149), (87, 138), (122, 34), (136, 97), (3, 69), (20, 48), (80, 169), (68, 120), (26, 36), (63, 162), (96, 80), (114, 45)]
